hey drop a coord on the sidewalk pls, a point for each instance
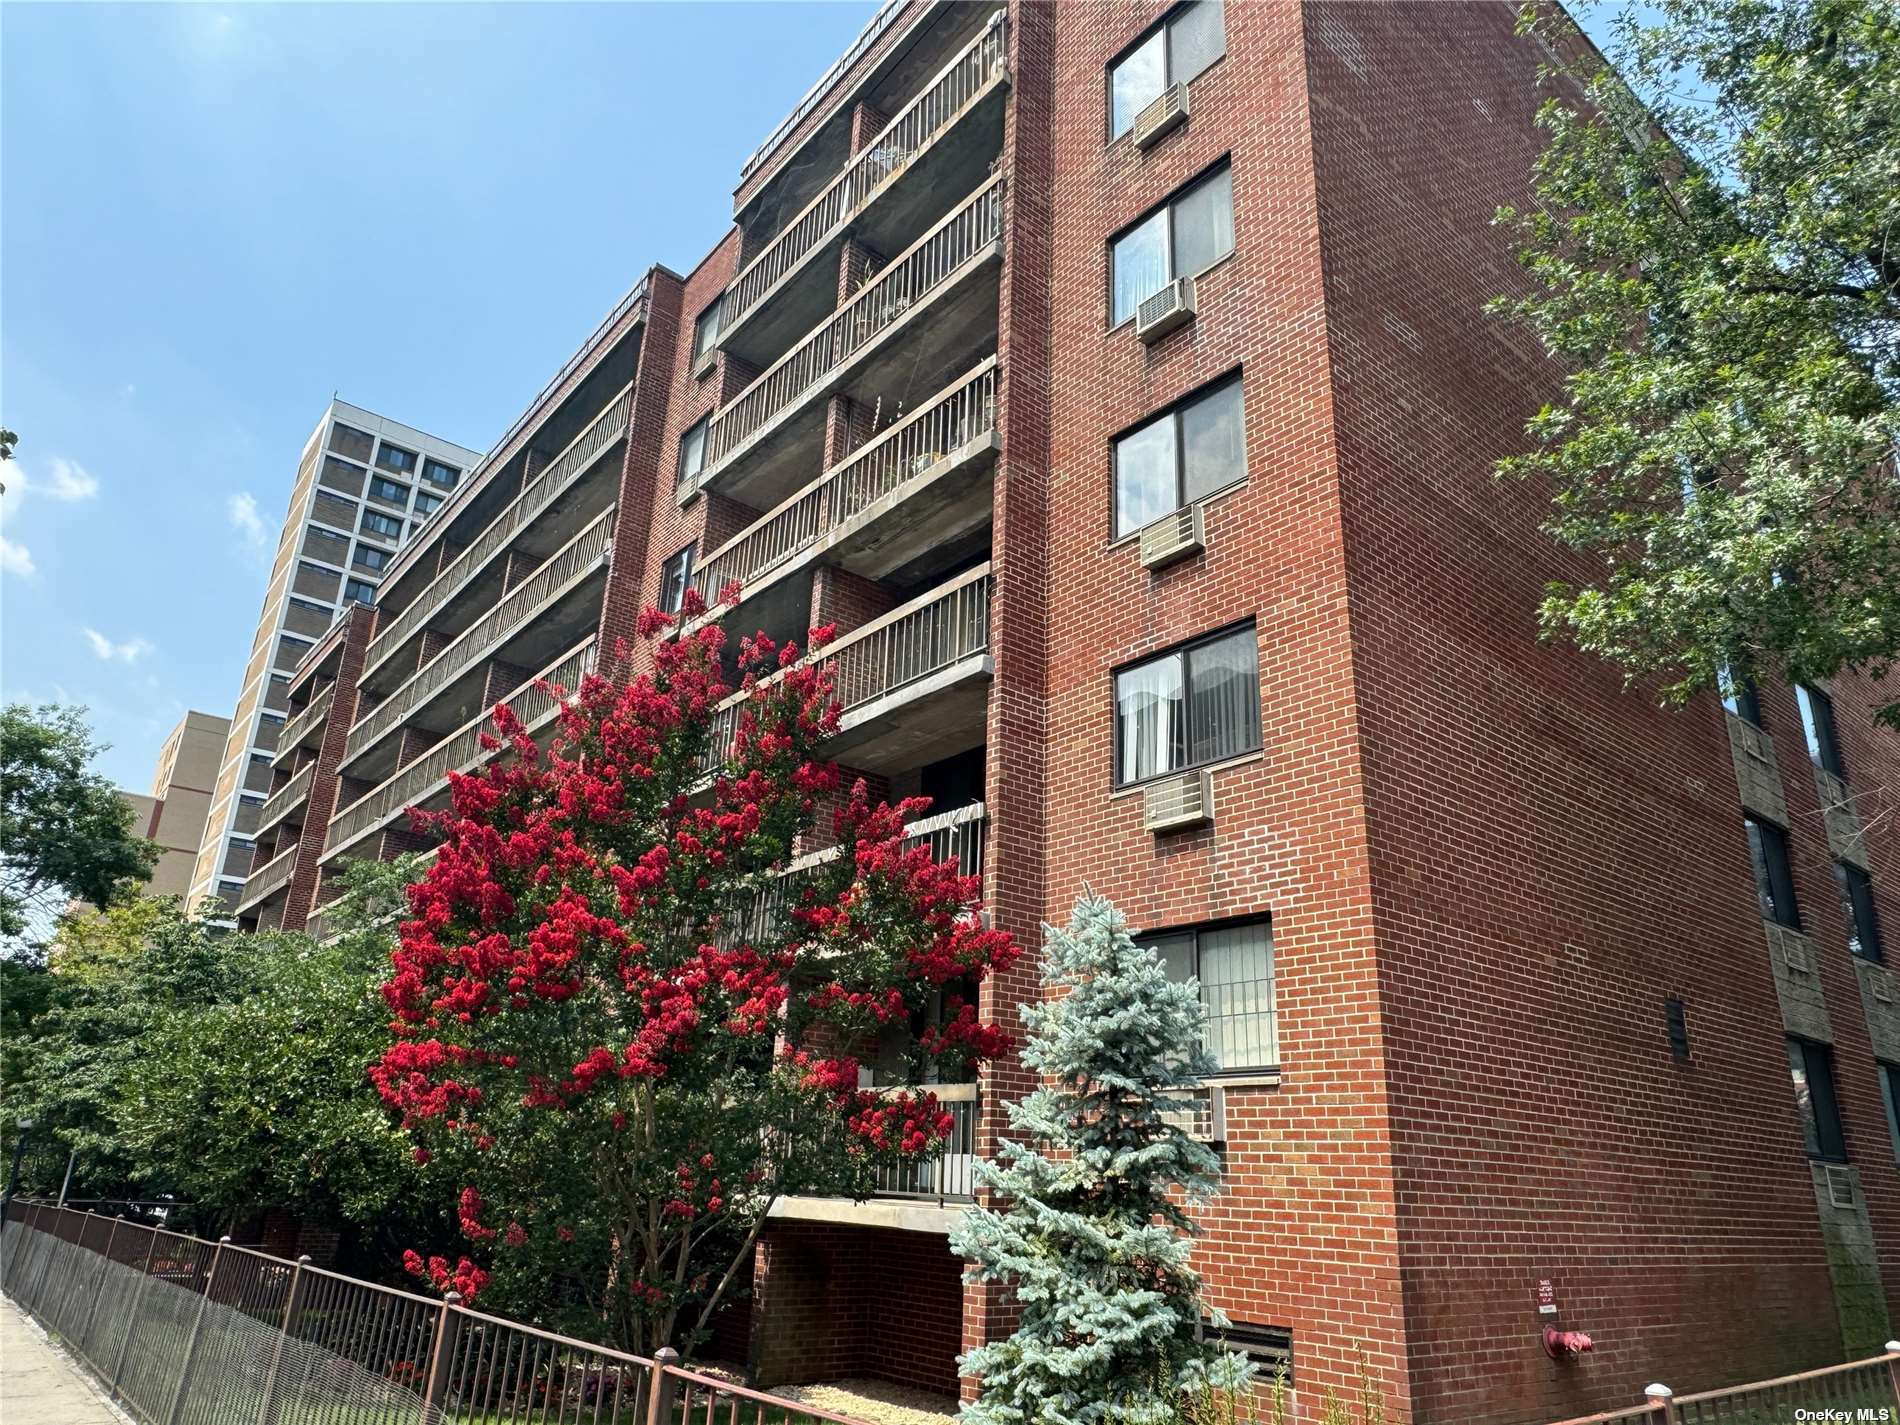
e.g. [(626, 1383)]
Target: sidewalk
[(38, 1384)]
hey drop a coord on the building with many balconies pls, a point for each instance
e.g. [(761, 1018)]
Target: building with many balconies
[(1113, 376), (365, 484)]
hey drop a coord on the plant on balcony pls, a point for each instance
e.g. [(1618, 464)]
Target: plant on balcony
[(1095, 1235), (627, 1032)]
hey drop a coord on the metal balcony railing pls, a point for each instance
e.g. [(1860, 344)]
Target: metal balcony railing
[(299, 725), (460, 751), (269, 878), (579, 554), (930, 264), (949, 1173), (925, 636), (285, 797), (945, 423), (940, 104), (581, 452)]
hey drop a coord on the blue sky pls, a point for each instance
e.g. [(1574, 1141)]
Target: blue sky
[(211, 217)]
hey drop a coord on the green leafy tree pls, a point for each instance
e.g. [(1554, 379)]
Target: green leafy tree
[(65, 833), (1715, 262), (1095, 1235)]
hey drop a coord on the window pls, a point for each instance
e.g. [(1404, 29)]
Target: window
[(1234, 964), (1180, 457), (1812, 1068), (706, 327), (1744, 699), (382, 524), (1817, 722), (1857, 899), (1888, 1090), (348, 440), (341, 475), (427, 505), (1774, 876), (1182, 238), (388, 489), (1676, 1018), (437, 473), (372, 558), (359, 592), (1176, 51), (394, 457), (1196, 705), (692, 452), (676, 576)]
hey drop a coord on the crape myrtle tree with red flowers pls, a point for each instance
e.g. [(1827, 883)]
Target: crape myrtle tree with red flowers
[(627, 1031)]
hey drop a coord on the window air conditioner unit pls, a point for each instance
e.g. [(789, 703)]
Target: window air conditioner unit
[(1201, 1115), (1178, 802), (1162, 117), (1167, 310), (1173, 537), (704, 364), (1794, 951)]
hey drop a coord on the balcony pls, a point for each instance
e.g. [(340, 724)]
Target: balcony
[(899, 503), (912, 686), (447, 595), (266, 881), (286, 798), (941, 142), (302, 726), (427, 776), (554, 604), (912, 328)]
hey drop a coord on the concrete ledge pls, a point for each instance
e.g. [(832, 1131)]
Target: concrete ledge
[(896, 1213)]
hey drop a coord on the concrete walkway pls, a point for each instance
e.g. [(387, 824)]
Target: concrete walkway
[(39, 1384)]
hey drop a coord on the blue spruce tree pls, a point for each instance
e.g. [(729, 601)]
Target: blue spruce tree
[(1093, 1235)]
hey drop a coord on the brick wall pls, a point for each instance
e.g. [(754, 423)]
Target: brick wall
[(300, 898)]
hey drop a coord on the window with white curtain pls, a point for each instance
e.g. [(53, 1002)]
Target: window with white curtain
[(1195, 705), (1182, 238), (1234, 965), (1191, 38), (1181, 456)]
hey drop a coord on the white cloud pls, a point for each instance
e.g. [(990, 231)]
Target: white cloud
[(241, 510), (15, 559), (64, 480), (128, 652)]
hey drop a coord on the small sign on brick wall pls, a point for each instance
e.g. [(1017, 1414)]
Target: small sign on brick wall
[(1546, 1297)]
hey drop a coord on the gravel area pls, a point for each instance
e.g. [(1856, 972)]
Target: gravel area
[(878, 1401)]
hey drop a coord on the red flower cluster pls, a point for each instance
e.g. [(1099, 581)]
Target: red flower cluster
[(464, 1277)]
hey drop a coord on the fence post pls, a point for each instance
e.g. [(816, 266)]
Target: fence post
[(441, 1355), (197, 1331), (132, 1320), (98, 1290), (660, 1387), (293, 1303), (1659, 1396), (1893, 1367)]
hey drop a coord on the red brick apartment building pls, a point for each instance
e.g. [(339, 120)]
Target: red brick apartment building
[(1114, 375)]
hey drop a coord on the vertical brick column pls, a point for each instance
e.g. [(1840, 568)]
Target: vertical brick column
[(359, 621), (857, 263), (867, 122), (518, 565), (447, 552), (1016, 792), (533, 461)]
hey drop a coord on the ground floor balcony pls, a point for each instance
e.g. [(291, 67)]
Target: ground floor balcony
[(424, 782), (549, 610), (928, 315)]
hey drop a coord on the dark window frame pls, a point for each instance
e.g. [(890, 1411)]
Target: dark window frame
[(1676, 1024), (1820, 730), (350, 595), (703, 341), (704, 426), (1235, 377), (1194, 932), (669, 601), (367, 555), (374, 520), (1823, 1132), (1772, 863), (1181, 650), (1890, 1100), (1745, 703), (1165, 24), (330, 445), (430, 465), (1166, 204), (1863, 914), (396, 491)]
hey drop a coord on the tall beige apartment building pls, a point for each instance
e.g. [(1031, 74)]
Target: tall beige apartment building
[(364, 485), (175, 812)]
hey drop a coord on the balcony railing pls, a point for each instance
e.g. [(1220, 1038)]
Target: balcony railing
[(925, 636), (285, 797), (269, 878), (607, 427), (577, 555), (949, 1173), (949, 421), (930, 264), (458, 752), (920, 121), (299, 726)]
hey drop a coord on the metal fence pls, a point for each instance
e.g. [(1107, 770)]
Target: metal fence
[(188, 1332), (1858, 1390)]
